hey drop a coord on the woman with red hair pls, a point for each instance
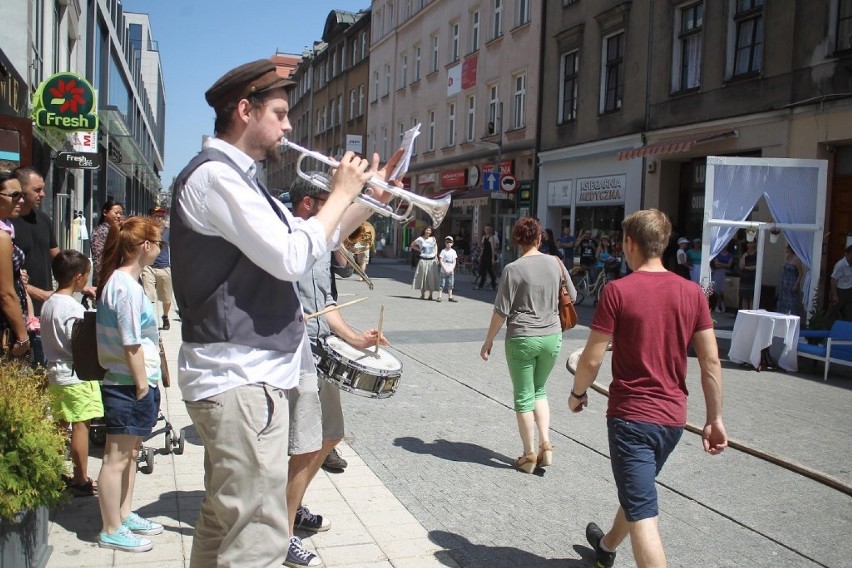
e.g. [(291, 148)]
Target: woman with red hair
[(128, 348), (527, 301)]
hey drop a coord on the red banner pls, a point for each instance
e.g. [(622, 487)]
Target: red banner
[(469, 72), (453, 178)]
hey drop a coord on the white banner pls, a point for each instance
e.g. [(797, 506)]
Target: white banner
[(355, 143), (560, 193), (454, 81), (84, 141)]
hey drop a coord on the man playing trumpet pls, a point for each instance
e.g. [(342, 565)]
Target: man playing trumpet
[(237, 254), (316, 415)]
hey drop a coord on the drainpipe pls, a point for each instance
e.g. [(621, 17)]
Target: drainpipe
[(537, 149), (647, 96)]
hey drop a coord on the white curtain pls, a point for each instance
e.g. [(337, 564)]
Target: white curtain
[(790, 193)]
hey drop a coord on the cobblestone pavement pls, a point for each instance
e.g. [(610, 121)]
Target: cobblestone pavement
[(431, 483)]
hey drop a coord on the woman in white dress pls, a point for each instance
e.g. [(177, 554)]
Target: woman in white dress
[(426, 277)]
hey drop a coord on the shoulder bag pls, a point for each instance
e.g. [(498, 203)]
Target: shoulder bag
[(567, 313)]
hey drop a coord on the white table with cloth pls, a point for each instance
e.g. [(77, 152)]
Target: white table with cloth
[(754, 331)]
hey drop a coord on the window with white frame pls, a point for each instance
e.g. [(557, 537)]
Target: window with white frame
[(384, 141), (416, 63), (360, 100), (351, 104), (414, 122), (748, 37), (454, 41), (470, 125), (686, 66), (519, 101), (523, 11), (568, 73), (612, 74), (389, 24), (493, 108), (387, 78), (497, 19), (451, 124), (842, 28), (433, 63), (339, 109), (400, 128), (474, 31), (374, 145), (431, 130), (375, 85), (403, 70), (406, 9), (363, 45), (354, 55)]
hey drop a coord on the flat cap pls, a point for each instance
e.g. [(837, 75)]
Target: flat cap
[(238, 83)]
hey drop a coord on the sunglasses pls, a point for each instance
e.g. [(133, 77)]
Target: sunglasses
[(14, 196)]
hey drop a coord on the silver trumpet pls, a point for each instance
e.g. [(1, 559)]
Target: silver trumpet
[(407, 201)]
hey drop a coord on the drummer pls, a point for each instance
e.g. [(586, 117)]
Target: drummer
[(316, 416)]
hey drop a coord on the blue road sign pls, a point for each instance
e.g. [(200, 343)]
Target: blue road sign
[(491, 181)]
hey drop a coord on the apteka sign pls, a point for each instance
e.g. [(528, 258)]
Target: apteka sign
[(65, 102)]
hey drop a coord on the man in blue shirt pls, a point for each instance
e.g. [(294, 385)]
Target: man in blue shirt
[(157, 278)]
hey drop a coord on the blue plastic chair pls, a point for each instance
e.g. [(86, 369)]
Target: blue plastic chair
[(837, 347)]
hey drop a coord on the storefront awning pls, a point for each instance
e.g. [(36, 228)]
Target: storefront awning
[(676, 145)]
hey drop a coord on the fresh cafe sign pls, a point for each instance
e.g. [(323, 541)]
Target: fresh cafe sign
[(66, 102)]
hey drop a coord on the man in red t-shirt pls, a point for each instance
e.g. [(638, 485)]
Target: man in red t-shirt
[(651, 316)]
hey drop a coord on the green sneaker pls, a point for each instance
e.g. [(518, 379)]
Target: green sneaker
[(138, 525), (123, 539)]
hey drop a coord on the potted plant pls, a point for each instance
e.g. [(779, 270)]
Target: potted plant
[(32, 463), (774, 233)]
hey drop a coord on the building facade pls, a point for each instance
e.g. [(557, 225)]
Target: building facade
[(328, 108), (468, 72), (91, 39), (646, 91)]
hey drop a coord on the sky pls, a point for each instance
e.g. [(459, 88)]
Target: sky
[(199, 40)]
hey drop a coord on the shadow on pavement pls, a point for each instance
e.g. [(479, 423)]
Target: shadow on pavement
[(455, 451), (469, 555)]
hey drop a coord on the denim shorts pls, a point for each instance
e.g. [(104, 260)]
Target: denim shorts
[(448, 281), (638, 451), (124, 414)]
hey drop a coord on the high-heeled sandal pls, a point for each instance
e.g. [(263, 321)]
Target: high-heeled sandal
[(545, 454), (526, 463)]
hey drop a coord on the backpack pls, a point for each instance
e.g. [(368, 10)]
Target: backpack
[(84, 348)]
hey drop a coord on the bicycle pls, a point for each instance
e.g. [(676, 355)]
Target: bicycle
[(586, 288)]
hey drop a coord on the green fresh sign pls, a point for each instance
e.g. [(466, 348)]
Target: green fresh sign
[(66, 102)]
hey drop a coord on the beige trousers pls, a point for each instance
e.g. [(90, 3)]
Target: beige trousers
[(243, 517)]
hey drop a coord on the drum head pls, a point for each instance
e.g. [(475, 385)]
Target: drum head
[(363, 358)]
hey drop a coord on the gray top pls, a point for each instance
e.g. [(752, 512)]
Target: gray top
[(527, 296)]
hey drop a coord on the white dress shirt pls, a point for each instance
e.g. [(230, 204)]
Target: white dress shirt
[(843, 274), (217, 202)]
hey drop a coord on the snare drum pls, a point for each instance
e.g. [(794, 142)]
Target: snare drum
[(360, 371)]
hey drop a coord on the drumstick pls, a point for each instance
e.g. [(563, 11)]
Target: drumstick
[(333, 308), (379, 334)]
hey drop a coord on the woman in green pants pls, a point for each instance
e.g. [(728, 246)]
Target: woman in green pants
[(527, 302)]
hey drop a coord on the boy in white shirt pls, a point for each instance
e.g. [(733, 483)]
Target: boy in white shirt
[(447, 260), (75, 402)]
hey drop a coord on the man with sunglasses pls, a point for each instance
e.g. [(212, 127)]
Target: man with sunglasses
[(35, 236)]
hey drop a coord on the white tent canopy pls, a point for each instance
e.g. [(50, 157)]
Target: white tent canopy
[(794, 190)]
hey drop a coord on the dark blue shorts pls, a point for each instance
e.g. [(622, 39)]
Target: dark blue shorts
[(638, 451), (124, 414)]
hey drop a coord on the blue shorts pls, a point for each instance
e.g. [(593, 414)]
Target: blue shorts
[(123, 414), (447, 281), (638, 451)]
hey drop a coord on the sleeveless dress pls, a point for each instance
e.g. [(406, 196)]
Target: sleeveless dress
[(788, 300)]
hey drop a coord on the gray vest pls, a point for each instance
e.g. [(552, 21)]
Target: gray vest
[(222, 295)]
